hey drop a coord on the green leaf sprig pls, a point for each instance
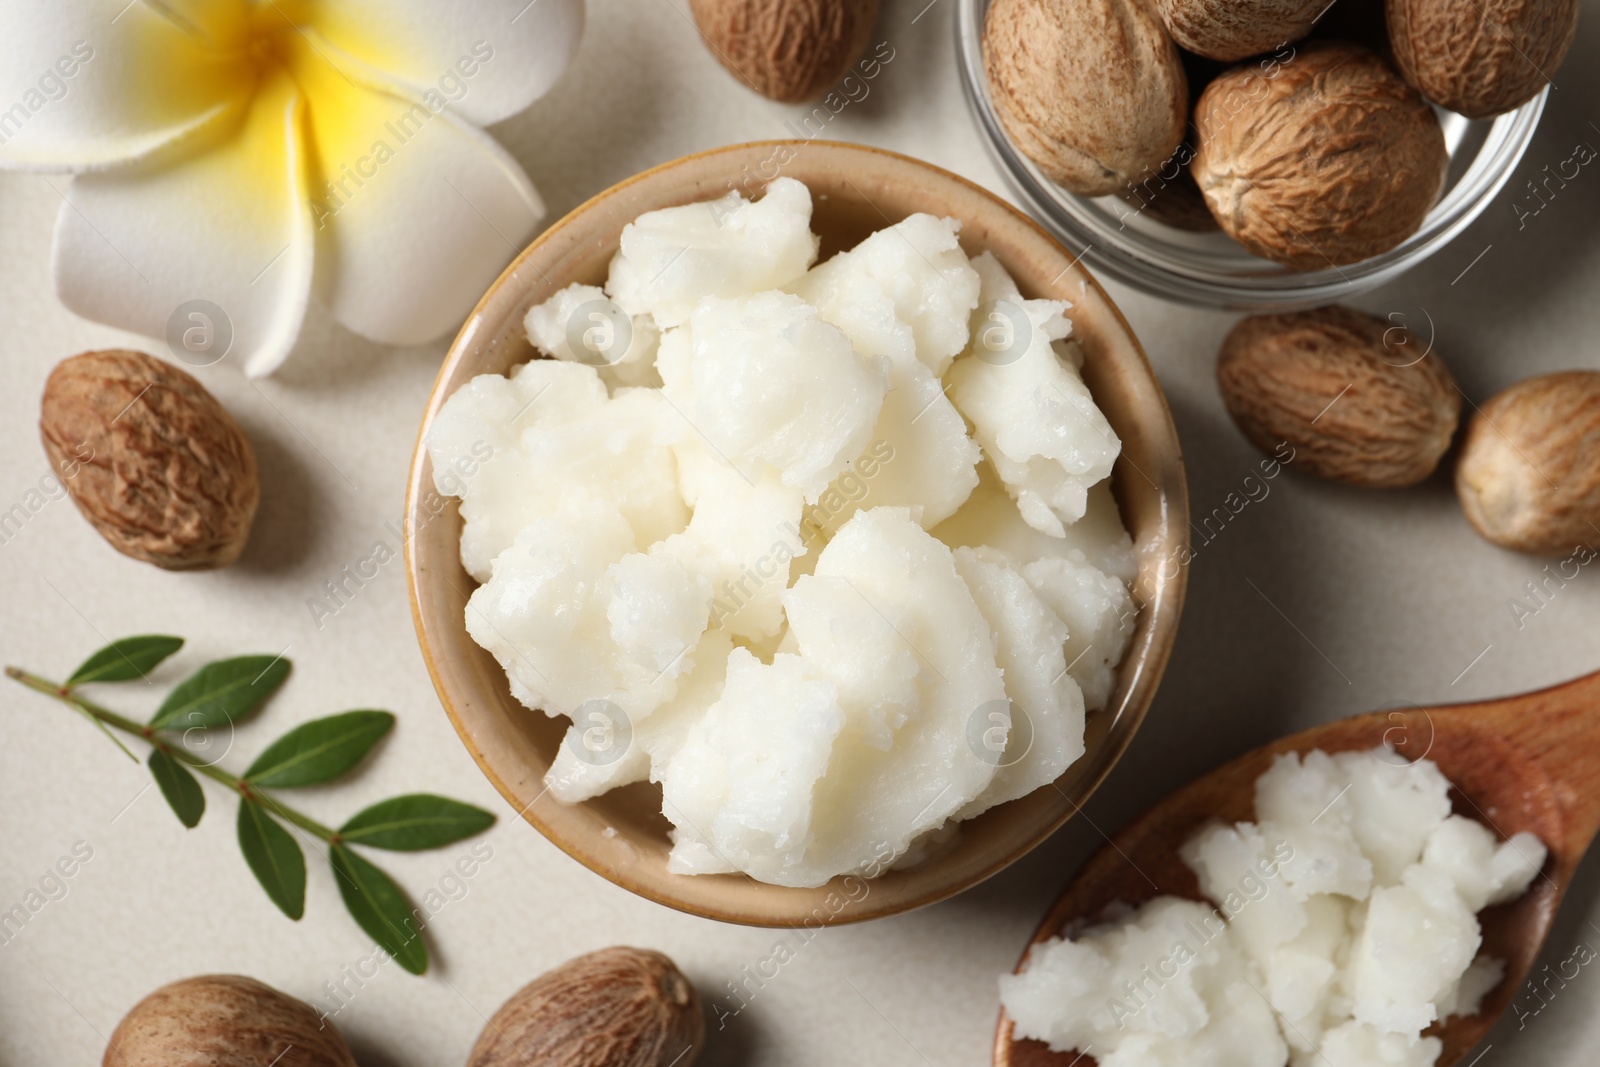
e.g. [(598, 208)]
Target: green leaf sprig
[(220, 694)]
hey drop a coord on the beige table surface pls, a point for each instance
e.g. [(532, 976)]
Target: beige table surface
[(1314, 603)]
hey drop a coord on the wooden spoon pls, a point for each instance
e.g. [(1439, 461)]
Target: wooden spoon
[(1528, 762)]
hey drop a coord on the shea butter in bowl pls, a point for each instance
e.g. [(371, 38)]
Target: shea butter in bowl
[(718, 387)]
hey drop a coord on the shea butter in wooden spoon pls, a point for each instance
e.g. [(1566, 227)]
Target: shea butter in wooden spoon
[(1528, 762)]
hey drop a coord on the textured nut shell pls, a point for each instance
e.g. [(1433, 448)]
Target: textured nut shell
[(1481, 57), (1090, 90), (151, 459), (1529, 473), (1234, 29), (788, 50), (1347, 391), (224, 1020), (1331, 161), (619, 1007)]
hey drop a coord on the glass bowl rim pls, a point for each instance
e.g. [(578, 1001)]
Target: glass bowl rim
[(1165, 269)]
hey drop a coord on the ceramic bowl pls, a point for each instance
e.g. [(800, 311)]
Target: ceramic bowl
[(622, 835)]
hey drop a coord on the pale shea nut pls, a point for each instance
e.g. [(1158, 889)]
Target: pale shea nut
[(1359, 399), (224, 1019), (1323, 159), (1529, 473), (1481, 57), (618, 1007), (786, 50), (1233, 29), (150, 458), (1090, 90)]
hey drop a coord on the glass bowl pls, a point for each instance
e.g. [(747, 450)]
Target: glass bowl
[(1209, 269)]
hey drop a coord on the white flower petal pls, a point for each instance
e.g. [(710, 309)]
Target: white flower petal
[(488, 58), (230, 226), (84, 86), (416, 211)]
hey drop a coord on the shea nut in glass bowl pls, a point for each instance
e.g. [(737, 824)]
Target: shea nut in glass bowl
[(622, 834), (1200, 265)]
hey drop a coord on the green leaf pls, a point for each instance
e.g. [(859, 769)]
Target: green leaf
[(414, 822), (379, 907), (125, 659), (320, 750), (221, 692), (274, 857), (178, 786)]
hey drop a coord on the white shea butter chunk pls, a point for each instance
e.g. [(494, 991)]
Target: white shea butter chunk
[(658, 608), (557, 442), (1395, 806), (906, 292), (1302, 975), (1485, 871), (1417, 940), (1038, 732), (589, 629), (1355, 1045), (1029, 408), (602, 752), (886, 602), (743, 779), (671, 259), (1352, 903), (474, 445), (1238, 867), (920, 458), (580, 324), (541, 614), (742, 539), (769, 384), (989, 518), (1481, 976), (715, 531), (1303, 803), (1157, 987), (1099, 614)]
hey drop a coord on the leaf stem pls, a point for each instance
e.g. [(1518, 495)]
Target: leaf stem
[(104, 717)]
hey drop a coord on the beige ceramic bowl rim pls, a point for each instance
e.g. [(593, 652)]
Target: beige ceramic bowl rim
[(1154, 664)]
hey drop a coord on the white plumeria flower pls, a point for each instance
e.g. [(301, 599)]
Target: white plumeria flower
[(221, 148)]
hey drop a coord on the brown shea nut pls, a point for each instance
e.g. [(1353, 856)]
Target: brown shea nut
[(1529, 473), (224, 1020), (1323, 159), (1360, 400), (1481, 57), (787, 50), (619, 1007), (1233, 29), (1090, 90), (152, 460)]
